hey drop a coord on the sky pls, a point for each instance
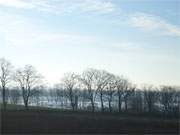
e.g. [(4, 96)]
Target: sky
[(139, 39)]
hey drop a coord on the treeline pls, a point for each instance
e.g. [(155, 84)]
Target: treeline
[(93, 90)]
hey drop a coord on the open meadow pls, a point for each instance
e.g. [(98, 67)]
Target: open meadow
[(63, 121)]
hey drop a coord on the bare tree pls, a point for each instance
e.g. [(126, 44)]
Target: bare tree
[(150, 97), (102, 78), (120, 85), (176, 101), (5, 75), (0, 94), (128, 91), (110, 90), (27, 79), (70, 82), (168, 98), (88, 79)]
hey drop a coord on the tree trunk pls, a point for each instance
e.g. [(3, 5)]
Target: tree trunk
[(72, 105), (26, 104), (71, 99), (76, 102), (25, 99), (110, 108), (4, 97), (92, 103), (119, 102), (102, 105)]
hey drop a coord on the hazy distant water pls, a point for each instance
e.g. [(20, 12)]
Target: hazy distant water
[(50, 102)]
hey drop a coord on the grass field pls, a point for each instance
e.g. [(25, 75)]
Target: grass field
[(58, 121)]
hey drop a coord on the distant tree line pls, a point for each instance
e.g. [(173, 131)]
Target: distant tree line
[(92, 90)]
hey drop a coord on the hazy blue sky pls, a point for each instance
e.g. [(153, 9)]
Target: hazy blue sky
[(137, 38)]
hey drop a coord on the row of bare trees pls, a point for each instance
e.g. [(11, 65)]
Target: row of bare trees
[(26, 78), (97, 90), (111, 88)]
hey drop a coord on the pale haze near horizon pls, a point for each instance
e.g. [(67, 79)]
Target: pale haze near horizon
[(138, 39)]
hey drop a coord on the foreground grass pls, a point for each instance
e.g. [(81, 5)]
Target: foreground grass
[(13, 107), (47, 120)]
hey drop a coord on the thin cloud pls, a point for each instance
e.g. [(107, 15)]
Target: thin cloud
[(16, 3), (20, 31), (63, 6), (153, 23), (146, 22)]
